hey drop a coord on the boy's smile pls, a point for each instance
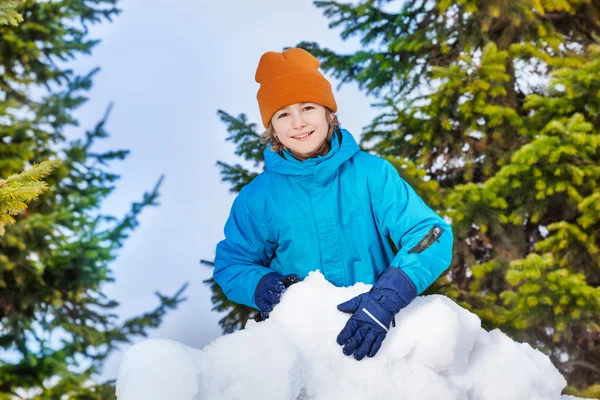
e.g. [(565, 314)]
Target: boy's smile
[(303, 136)]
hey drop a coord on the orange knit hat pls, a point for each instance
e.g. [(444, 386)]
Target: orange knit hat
[(288, 78)]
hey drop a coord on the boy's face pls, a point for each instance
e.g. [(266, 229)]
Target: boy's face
[(301, 127)]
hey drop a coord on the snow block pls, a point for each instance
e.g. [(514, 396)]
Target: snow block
[(437, 350)]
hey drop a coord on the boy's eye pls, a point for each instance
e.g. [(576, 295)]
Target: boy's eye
[(282, 115), (308, 107)]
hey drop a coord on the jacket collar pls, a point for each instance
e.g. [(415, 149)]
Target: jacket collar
[(343, 147)]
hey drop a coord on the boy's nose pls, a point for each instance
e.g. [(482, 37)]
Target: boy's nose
[(298, 121)]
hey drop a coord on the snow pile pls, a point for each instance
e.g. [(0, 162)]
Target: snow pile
[(437, 350)]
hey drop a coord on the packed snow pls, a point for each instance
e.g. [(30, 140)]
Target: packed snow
[(437, 350)]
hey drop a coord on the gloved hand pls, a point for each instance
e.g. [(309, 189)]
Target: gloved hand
[(269, 290), (373, 312)]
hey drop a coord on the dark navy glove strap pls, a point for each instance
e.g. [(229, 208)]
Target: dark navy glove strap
[(394, 290)]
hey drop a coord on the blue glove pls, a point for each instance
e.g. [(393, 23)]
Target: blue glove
[(373, 312), (269, 290)]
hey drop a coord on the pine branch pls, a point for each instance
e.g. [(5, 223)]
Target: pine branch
[(18, 190), (138, 325), (244, 135), (236, 175), (9, 14)]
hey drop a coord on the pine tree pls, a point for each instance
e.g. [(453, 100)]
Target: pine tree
[(555, 289), (56, 324)]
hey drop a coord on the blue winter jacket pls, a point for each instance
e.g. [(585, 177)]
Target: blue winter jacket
[(333, 213)]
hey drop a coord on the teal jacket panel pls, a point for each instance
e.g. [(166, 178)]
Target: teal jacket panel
[(334, 213)]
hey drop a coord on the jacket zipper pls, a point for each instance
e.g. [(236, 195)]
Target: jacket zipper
[(433, 235)]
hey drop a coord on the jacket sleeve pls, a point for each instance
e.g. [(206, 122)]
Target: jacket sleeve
[(241, 258), (424, 240)]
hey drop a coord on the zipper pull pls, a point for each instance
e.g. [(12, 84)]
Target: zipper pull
[(430, 238)]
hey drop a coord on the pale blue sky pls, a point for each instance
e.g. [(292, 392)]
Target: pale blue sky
[(168, 67)]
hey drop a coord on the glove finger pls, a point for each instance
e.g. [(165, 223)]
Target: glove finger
[(277, 287), (272, 297), (376, 345), (264, 315), (347, 332), (366, 345), (289, 280), (351, 305), (356, 340)]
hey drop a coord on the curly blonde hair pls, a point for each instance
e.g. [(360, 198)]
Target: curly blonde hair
[(269, 138)]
